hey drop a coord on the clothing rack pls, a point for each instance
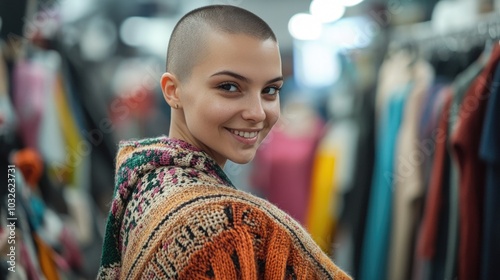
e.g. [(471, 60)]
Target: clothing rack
[(426, 39)]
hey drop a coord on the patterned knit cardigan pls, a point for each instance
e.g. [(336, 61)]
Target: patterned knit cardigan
[(176, 215)]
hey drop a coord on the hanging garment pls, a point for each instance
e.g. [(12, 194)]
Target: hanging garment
[(282, 168), (27, 263), (7, 115), (466, 141), (376, 243), (489, 152), (428, 232), (76, 148), (51, 143), (429, 120), (31, 165), (321, 219), (388, 83), (331, 176), (408, 185), (46, 257), (355, 201), (70, 250), (460, 87), (331, 172), (30, 82)]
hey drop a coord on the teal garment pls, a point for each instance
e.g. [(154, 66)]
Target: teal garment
[(378, 225)]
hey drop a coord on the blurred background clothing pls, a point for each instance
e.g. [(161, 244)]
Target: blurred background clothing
[(387, 149)]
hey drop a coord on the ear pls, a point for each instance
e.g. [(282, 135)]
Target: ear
[(170, 88)]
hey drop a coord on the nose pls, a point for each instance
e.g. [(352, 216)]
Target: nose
[(253, 109)]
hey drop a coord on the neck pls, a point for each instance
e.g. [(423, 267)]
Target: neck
[(181, 132)]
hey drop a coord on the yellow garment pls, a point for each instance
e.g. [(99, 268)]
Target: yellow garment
[(321, 215), (75, 149)]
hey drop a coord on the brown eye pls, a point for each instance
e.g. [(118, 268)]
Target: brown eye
[(228, 87), (271, 91)]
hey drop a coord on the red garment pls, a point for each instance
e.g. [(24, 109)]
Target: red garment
[(465, 141), (430, 221)]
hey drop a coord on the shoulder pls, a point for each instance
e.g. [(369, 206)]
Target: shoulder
[(200, 224)]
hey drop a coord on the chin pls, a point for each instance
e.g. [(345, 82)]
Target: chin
[(242, 159)]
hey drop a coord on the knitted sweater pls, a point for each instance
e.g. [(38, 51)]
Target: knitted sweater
[(176, 215)]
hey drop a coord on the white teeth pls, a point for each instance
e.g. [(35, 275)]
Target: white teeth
[(244, 134)]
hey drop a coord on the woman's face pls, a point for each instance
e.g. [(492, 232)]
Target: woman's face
[(230, 102)]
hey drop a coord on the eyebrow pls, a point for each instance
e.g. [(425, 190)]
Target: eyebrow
[(242, 78)]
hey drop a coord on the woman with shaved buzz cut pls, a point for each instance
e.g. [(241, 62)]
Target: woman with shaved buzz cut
[(174, 213)]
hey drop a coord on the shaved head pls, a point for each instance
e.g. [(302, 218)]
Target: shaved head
[(188, 41)]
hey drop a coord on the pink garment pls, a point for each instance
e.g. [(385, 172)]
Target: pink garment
[(27, 263), (31, 82), (282, 169)]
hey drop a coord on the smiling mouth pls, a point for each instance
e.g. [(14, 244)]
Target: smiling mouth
[(244, 134)]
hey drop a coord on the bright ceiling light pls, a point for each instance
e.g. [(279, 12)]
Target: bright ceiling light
[(142, 32), (350, 3), (130, 30), (73, 10), (316, 65), (327, 10), (304, 27)]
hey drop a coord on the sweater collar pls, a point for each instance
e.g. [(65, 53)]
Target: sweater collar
[(137, 157)]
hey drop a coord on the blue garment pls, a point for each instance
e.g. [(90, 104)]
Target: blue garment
[(378, 225), (428, 124), (489, 151), (427, 121)]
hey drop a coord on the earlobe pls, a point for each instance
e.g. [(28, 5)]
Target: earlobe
[(170, 89)]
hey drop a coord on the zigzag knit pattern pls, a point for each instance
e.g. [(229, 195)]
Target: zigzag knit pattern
[(176, 215)]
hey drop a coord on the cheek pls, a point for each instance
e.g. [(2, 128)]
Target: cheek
[(211, 112), (273, 113)]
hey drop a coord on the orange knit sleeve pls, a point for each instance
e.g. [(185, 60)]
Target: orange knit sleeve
[(255, 247), (229, 256)]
